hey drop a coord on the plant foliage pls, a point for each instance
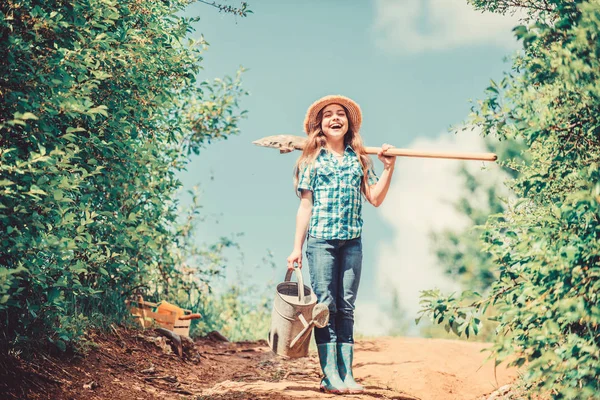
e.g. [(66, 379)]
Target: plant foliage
[(100, 108), (545, 246)]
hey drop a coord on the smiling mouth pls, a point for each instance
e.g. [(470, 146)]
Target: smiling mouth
[(335, 126)]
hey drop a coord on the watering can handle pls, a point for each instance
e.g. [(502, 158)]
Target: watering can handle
[(288, 277)]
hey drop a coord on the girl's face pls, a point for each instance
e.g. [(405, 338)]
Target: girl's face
[(335, 122)]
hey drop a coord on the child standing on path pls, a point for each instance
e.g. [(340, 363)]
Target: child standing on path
[(331, 176)]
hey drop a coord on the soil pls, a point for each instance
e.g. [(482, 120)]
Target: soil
[(128, 365)]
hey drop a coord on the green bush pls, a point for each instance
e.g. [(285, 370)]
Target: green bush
[(100, 110), (546, 244)]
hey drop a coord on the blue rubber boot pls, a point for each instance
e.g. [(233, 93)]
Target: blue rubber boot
[(345, 353), (331, 382)]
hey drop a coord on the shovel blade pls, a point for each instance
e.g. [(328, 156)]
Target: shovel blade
[(285, 143)]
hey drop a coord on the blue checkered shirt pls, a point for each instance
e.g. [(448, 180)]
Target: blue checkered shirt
[(337, 200)]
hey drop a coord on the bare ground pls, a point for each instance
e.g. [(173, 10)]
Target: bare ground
[(127, 366)]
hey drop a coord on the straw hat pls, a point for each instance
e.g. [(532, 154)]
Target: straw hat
[(354, 113)]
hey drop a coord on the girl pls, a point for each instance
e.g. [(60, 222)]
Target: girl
[(331, 176)]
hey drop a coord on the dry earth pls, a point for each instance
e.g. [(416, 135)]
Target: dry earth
[(129, 366)]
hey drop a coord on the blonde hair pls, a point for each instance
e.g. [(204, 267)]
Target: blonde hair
[(317, 140)]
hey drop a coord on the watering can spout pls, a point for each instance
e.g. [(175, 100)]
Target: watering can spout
[(320, 317)]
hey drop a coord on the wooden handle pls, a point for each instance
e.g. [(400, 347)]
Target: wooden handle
[(434, 154), (288, 143), (190, 316)]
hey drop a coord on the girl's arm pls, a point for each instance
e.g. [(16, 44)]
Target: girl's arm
[(302, 220), (376, 193)]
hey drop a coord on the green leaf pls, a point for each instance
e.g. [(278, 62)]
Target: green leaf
[(61, 345), (58, 195), (98, 110), (36, 190), (28, 115), (53, 295), (75, 129)]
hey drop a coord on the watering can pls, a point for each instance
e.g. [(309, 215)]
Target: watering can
[(295, 312)]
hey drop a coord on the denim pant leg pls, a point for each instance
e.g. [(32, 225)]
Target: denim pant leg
[(321, 255), (350, 266)]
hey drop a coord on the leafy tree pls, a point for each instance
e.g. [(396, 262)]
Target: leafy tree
[(459, 251), (100, 109), (545, 245)]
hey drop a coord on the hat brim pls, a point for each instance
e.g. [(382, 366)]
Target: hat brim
[(354, 112)]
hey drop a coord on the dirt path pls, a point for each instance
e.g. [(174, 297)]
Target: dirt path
[(129, 367)]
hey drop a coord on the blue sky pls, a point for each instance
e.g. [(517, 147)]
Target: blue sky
[(412, 65)]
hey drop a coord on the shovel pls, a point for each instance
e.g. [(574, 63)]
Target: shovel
[(320, 317), (288, 143)]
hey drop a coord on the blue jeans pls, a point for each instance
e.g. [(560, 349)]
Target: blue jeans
[(335, 267)]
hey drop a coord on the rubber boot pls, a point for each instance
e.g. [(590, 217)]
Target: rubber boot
[(345, 353), (331, 382)]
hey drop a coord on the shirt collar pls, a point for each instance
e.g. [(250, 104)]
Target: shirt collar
[(348, 149)]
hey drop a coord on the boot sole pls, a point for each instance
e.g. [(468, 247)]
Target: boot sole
[(332, 391)]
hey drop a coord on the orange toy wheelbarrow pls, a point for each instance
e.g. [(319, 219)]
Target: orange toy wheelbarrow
[(165, 314)]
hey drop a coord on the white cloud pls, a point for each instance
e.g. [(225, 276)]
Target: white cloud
[(425, 25), (372, 320), (419, 202)]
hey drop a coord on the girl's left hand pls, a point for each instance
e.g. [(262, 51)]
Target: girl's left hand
[(388, 161)]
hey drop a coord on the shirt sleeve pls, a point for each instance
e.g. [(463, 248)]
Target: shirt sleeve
[(372, 176), (306, 180)]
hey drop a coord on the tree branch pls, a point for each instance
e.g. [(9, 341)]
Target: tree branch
[(242, 11)]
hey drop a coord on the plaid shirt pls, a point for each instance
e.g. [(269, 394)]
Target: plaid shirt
[(337, 200)]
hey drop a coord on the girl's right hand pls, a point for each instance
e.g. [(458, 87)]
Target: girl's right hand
[(295, 258)]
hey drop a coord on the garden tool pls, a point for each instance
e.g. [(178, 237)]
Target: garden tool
[(320, 317), (288, 143), (294, 304), (176, 344), (165, 314)]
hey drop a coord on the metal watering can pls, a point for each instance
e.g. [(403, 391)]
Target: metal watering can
[(295, 311)]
